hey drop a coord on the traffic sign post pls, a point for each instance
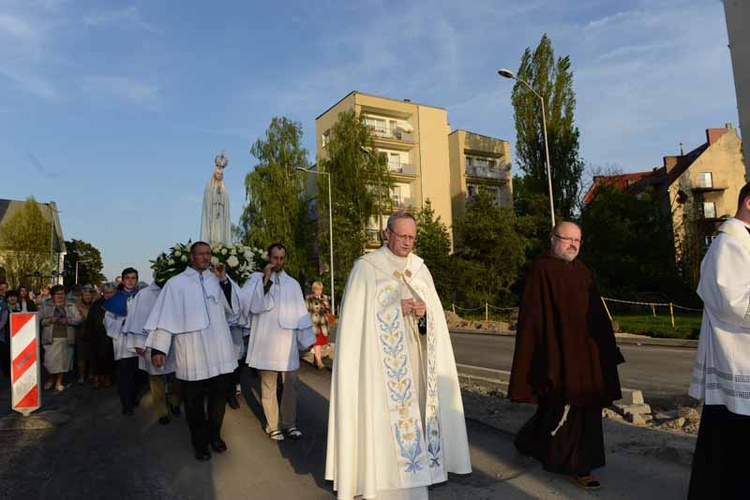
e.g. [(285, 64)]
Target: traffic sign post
[(25, 370)]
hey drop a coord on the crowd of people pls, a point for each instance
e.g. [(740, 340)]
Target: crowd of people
[(396, 421), (74, 345)]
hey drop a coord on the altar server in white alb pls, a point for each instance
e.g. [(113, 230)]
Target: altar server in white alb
[(281, 327), (396, 420), (135, 340), (721, 377), (118, 308), (190, 319)]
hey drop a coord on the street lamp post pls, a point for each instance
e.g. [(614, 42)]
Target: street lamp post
[(78, 262), (506, 73), (330, 231), (52, 238)]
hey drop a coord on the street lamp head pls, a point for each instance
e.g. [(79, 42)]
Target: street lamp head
[(506, 73), (302, 169), (365, 150)]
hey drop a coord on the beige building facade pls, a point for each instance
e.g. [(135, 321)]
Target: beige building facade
[(414, 139), (478, 163)]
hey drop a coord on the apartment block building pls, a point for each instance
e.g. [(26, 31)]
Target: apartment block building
[(414, 138), (478, 163)]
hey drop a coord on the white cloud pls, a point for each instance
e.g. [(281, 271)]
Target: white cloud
[(127, 16), (122, 89), (16, 27), (30, 82)]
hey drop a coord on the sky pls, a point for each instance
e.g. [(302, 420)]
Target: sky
[(115, 110)]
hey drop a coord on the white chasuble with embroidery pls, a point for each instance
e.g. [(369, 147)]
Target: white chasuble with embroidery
[(396, 419), (721, 375)]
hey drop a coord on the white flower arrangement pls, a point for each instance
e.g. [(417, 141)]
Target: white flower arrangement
[(240, 261)]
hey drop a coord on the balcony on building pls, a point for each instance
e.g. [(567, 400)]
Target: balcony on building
[(400, 203), (485, 169), (706, 184), (373, 236), (389, 129), (397, 167)]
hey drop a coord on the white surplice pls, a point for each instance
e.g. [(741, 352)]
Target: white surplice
[(114, 325), (721, 375), (135, 338), (189, 319), (396, 421), (281, 324)]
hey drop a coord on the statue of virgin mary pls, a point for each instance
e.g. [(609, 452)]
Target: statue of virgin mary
[(215, 222)]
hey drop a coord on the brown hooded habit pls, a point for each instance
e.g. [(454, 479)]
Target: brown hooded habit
[(566, 361)]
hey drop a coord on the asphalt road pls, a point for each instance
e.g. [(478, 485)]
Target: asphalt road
[(99, 453), (662, 373)]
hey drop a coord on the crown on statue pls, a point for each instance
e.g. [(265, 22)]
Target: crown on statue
[(221, 161)]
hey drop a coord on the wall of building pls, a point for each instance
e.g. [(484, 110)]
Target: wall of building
[(737, 13), (434, 167)]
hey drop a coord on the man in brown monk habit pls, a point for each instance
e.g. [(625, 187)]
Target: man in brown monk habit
[(565, 361)]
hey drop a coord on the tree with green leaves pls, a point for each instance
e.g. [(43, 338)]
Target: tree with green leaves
[(628, 244), (89, 260), (276, 209), (492, 250), (553, 80), (434, 246), (25, 243), (359, 174)]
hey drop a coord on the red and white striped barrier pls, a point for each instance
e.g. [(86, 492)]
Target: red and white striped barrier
[(25, 371)]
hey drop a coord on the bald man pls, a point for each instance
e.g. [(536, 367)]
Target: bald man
[(565, 362)]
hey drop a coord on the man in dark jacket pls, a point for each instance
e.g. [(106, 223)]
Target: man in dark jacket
[(565, 361)]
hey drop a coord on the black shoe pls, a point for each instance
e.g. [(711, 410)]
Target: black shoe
[(203, 455), (219, 446), (127, 410), (163, 420), (233, 402)]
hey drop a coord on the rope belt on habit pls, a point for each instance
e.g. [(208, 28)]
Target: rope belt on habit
[(562, 421)]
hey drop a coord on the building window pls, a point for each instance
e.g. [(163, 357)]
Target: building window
[(709, 210), (471, 190), (706, 180), (325, 138)]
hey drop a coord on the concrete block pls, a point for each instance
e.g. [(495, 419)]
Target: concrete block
[(631, 397), (641, 409), (637, 418)]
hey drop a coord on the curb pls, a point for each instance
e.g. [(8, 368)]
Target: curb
[(658, 445), (622, 338)]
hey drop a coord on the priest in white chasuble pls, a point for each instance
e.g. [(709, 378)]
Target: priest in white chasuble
[(190, 318), (721, 376), (396, 420)]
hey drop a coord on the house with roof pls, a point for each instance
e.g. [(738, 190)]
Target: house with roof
[(56, 248), (699, 189)]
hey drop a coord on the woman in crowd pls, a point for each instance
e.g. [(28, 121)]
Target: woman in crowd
[(100, 344), (319, 308), (58, 319), (24, 300), (83, 346)]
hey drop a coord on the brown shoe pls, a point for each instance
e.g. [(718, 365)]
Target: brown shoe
[(586, 482)]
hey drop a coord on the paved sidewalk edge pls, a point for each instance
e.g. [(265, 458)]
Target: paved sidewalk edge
[(622, 338)]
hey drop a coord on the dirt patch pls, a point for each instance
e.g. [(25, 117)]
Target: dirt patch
[(456, 321)]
